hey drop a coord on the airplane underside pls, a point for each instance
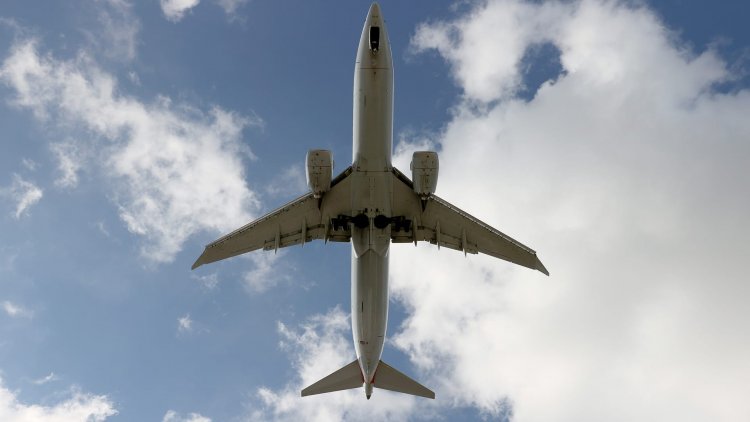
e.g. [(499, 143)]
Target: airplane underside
[(371, 204)]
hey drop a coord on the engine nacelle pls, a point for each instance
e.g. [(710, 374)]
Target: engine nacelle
[(319, 169), (424, 172)]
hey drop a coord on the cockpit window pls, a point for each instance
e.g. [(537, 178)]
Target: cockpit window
[(374, 38)]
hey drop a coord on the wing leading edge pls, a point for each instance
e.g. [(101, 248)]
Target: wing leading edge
[(436, 221), (302, 220)]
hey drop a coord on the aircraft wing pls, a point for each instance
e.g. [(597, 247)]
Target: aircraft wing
[(436, 221), (305, 219)]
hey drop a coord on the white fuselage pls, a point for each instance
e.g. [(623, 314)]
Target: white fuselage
[(363, 205), (371, 191)]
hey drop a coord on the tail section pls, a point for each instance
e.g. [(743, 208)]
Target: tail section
[(345, 378), (388, 378)]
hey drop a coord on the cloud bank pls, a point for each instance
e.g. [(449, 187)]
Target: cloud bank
[(83, 407), (627, 172), (174, 170)]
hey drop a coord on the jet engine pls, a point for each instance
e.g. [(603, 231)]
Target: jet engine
[(424, 172), (319, 169)]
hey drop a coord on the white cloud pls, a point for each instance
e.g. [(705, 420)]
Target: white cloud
[(289, 182), (80, 406), (102, 228), (119, 28), (23, 193), (16, 311), (175, 170), (44, 380), (319, 346), (134, 78), (209, 281), (29, 164), (230, 6), (485, 49), (184, 324), (8, 257), (265, 274), (70, 159), (627, 172), (174, 10), (172, 416)]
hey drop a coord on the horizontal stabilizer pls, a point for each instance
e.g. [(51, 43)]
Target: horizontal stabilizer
[(388, 378), (345, 378)]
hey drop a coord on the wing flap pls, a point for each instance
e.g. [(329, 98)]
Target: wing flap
[(459, 243)]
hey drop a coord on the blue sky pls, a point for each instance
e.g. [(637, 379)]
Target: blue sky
[(610, 136)]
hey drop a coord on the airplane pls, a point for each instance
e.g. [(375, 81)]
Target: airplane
[(371, 204)]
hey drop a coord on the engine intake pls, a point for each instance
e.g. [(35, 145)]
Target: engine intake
[(319, 169), (424, 172)]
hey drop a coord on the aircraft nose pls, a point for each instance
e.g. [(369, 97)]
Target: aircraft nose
[(376, 25), (374, 10), (374, 51)]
